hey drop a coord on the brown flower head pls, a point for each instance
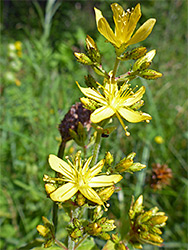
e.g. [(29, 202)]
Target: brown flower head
[(76, 114), (161, 175)]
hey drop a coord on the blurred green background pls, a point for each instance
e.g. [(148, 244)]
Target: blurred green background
[(38, 88)]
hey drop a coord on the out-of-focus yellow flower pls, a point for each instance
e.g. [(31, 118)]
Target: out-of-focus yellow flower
[(79, 177), (125, 24), (116, 101), (159, 139), (18, 83), (18, 45)]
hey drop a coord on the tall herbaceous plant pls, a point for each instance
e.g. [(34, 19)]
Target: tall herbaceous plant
[(83, 185)]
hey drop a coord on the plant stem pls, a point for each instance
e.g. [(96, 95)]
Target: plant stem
[(85, 236), (55, 206), (96, 149), (71, 244), (60, 244), (115, 68)]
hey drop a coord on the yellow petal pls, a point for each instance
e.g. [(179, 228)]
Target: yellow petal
[(132, 22), (90, 194), (101, 114), (105, 180), (64, 192), (93, 94), (143, 32), (120, 20), (96, 169), (86, 165), (133, 116), (134, 98), (104, 28), (61, 167)]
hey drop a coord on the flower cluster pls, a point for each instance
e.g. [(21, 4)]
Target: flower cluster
[(145, 225), (79, 183)]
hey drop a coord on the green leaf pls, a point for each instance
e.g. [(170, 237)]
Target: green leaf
[(35, 243), (109, 245), (87, 244)]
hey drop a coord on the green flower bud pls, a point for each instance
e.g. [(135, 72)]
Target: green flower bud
[(92, 50), (76, 223), (123, 165), (104, 236), (77, 233), (107, 225), (98, 213), (90, 81), (150, 74), (82, 58), (99, 70), (144, 62), (89, 103), (133, 54), (120, 246), (135, 167), (115, 238), (80, 199), (109, 158), (106, 193), (93, 229), (43, 231), (131, 156), (158, 220)]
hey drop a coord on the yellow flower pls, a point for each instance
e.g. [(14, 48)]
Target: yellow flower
[(79, 177), (159, 139), (125, 24), (117, 102)]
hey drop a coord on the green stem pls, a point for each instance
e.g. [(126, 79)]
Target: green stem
[(71, 244), (55, 206), (96, 149), (60, 244), (85, 236), (115, 67)]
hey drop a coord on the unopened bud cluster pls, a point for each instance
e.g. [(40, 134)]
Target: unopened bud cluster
[(145, 225)]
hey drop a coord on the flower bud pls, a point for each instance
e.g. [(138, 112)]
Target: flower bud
[(82, 58), (123, 165), (106, 193), (133, 54), (107, 225), (144, 62), (77, 233), (43, 231), (80, 199), (89, 103), (90, 81), (120, 246), (92, 50), (104, 236), (135, 167), (93, 228), (49, 188), (150, 74), (115, 238), (109, 158), (98, 213)]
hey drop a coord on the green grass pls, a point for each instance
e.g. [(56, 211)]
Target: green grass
[(30, 114)]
